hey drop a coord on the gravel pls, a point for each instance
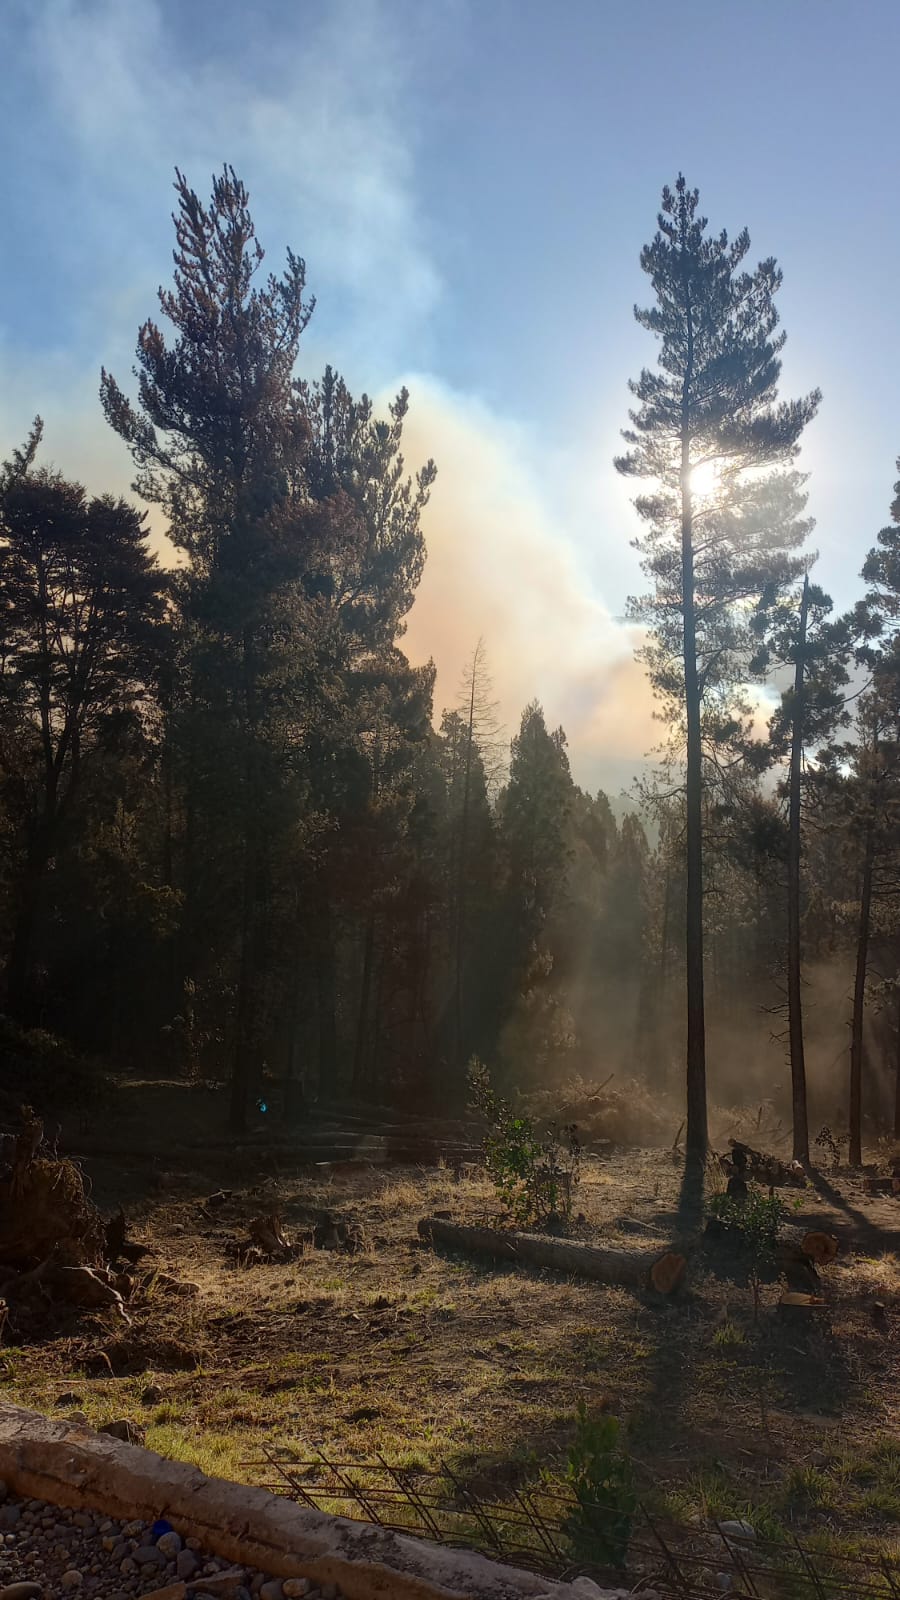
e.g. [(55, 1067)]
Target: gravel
[(80, 1555)]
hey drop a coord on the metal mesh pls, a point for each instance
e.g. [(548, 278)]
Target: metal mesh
[(534, 1529)]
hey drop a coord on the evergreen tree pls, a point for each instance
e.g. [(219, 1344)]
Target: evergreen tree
[(799, 634), (82, 604), (221, 439), (719, 531)]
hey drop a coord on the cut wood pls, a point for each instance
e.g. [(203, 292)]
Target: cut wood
[(635, 1268)]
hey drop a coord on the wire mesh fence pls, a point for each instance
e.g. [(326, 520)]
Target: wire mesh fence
[(545, 1529)]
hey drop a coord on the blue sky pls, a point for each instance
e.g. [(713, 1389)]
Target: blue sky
[(470, 182)]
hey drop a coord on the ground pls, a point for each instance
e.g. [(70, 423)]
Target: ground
[(432, 1359)]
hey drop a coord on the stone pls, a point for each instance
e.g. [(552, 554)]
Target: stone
[(152, 1395), (10, 1517), (170, 1544), (737, 1530), (21, 1591), (128, 1567), (724, 1581), (149, 1554), (129, 1432), (329, 1591), (296, 1588), (220, 1583), (187, 1564), (82, 1519), (72, 1579), (272, 1590)]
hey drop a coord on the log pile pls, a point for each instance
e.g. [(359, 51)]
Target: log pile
[(744, 1164), (637, 1269), (54, 1245)]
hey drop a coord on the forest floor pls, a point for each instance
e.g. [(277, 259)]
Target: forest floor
[(430, 1358)]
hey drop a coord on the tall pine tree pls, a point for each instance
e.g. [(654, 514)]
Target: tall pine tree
[(719, 531)]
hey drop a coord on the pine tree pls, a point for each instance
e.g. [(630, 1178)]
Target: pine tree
[(82, 601), (221, 440), (799, 634), (719, 531)]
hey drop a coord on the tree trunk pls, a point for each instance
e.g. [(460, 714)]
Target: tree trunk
[(897, 1074), (795, 999), (360, 1054), (242, 1073), (637, 1268), (859, 996), (326, 1003), (19, 996), (696, 1133), (461, 872)]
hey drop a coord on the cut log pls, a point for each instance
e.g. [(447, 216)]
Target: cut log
[(634, 1268), (820, 1247)]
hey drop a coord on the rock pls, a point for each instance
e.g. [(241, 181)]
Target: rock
[(220, 1583), (187, 1564), (72, 1579), (737, 1530), (724, 1581), (77, 1419), (149, 1555), (272, 1590), (170, 1544), (152, 1395), (82, 1519), (329, 1591), (172, 1591), (10, 1517), (69, 1399), (21, 1591), (295, 1588), (128, 1567), (132, 1529), (128, 1432)]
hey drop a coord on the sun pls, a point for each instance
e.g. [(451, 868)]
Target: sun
[(706, 479)]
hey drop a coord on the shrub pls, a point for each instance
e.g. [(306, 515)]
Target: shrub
[(600, 1476), (755, 1222), (44, 1070), (534, 1174)]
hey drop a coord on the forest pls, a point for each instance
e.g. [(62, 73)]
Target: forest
[(366, 1081), (241, 843)]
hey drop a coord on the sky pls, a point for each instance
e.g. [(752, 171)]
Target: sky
[(470, 183)]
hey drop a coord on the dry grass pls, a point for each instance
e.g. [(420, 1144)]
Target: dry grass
[(426, 1357)]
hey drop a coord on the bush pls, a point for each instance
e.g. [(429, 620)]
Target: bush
[(534, 1175), (754, 1221), (44, 1070), (600, 1476)]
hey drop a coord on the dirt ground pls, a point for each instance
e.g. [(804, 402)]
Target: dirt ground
[(430, 1358)]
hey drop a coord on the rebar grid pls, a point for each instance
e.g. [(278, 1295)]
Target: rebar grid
[(534, 1530)]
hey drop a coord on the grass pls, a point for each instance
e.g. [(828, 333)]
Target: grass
[(428, 1359)]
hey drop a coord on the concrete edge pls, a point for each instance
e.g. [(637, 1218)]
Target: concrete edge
[(69, 1465)]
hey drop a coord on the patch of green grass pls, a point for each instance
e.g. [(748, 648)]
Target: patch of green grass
[(728, 1335)]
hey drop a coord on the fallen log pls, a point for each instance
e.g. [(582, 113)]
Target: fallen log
[(634, 1268)]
